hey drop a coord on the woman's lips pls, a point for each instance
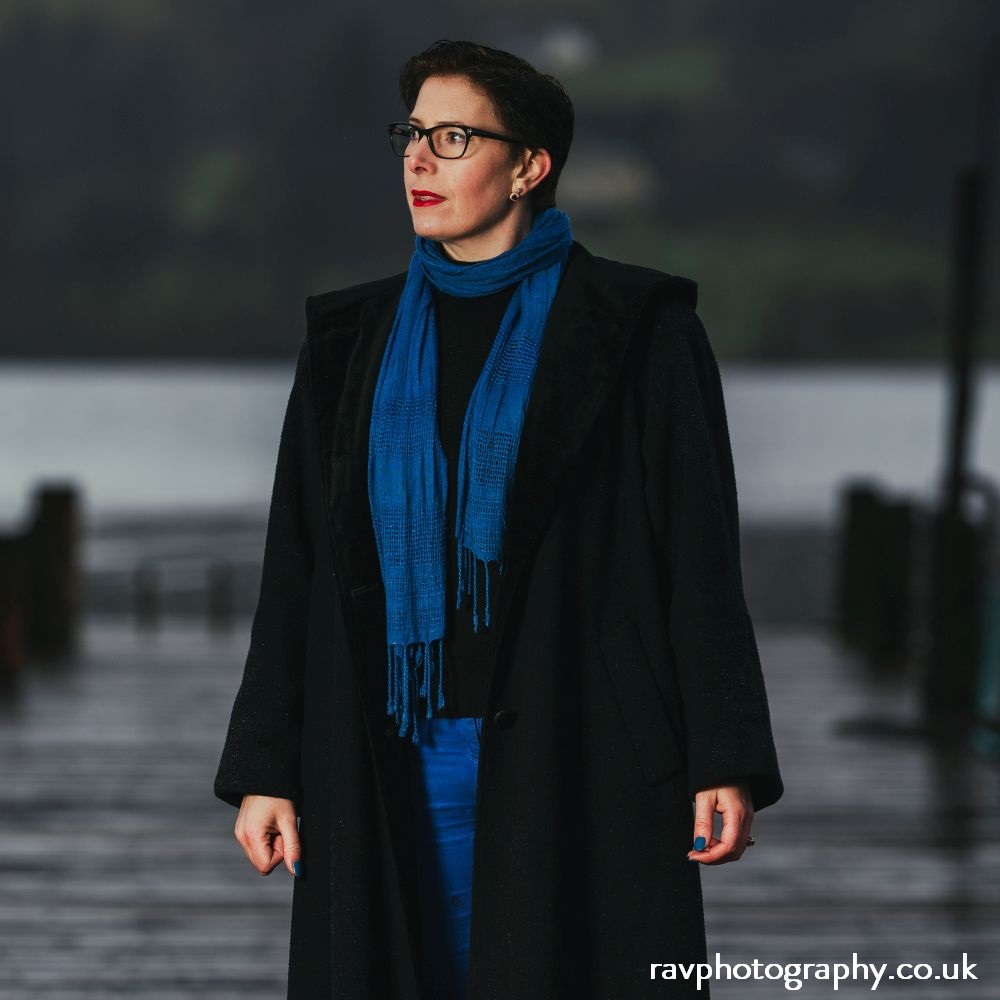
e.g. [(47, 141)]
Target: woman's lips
[(423, 199)]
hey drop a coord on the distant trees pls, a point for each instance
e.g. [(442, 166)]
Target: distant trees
[(177, 178)]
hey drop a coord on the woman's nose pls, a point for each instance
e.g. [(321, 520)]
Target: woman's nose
[(419, 156)]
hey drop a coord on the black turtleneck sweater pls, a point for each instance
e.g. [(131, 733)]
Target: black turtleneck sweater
[(466, 331)]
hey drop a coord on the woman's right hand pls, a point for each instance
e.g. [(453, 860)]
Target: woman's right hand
[(268, 833)]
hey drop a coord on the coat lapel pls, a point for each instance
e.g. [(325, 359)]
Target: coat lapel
[(582, 352), (580, 356), (346, 342)]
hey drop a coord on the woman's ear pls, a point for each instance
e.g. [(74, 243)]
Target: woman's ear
[(535, 167)]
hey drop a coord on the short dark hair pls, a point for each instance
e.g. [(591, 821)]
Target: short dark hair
[(533, 107)]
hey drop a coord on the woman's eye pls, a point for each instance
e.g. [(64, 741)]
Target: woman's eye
[(454, 138)]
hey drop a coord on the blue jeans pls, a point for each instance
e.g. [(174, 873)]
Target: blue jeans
[(443, 771)]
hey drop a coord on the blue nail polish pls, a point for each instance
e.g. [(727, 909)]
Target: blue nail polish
[(296, 868), (699, 843)]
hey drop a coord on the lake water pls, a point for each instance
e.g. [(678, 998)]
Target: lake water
[(162, 438)]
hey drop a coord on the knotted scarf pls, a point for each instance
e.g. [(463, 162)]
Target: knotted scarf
[(407, 468)]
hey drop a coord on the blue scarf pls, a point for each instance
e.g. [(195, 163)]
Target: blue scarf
[(407, 468)]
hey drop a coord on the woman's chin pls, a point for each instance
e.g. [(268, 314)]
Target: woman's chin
[(429, 229)]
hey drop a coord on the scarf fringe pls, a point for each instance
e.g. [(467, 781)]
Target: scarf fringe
[(412, 668), (468, 566)]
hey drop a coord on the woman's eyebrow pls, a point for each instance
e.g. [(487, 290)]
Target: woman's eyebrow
[(417, 121)]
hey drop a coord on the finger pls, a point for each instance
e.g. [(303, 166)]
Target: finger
[(278, 844), (732, 841), (291, 847), (704, 814), (698, 855), (261, 851), (718, 853)]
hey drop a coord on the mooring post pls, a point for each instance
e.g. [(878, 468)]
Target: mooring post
[(12, 587), (52, 575)]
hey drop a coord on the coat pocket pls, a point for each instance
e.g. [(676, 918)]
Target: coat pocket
[(645, 715)]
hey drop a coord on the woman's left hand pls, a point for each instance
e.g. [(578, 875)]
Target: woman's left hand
[(736, 806)]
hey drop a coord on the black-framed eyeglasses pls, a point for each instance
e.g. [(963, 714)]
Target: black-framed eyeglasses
[(446, 141)]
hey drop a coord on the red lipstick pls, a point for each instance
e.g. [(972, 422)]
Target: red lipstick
[(423, 199)]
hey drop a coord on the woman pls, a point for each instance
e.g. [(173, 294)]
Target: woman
[(501, 644)]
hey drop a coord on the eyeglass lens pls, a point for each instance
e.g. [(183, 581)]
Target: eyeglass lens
[(445, 140)]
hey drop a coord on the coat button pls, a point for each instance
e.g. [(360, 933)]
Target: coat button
[(505, 718)]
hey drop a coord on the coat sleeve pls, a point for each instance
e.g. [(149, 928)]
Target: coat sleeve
[(691, 496), (262, 747)]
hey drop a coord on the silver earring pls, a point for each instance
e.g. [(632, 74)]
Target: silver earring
[(514, 195)]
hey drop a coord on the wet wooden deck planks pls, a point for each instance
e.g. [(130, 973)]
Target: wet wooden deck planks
[(119, 875)]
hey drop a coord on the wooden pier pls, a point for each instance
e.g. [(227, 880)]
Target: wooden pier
[(120, 877)]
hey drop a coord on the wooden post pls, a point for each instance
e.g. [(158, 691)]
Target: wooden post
[(858, 503), (874, 569), (53, 583), (12, 652), (957, 577)]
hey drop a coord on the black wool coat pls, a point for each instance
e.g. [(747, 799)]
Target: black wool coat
[(625, 678)]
